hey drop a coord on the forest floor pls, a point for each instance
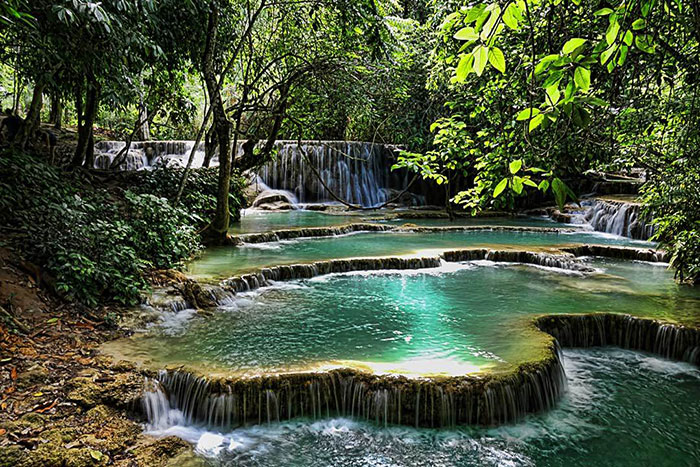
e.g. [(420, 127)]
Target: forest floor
[(61, 403)]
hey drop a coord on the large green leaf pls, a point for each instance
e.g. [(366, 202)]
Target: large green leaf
[(466, 34), (572, 44), (464, 67), (500, 187), (582, 78), (515, 166), (528, 113), (535, 122), (480, 54), (497, 60)]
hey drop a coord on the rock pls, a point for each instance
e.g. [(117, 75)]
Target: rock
[(275, 199), (278, 206), (169, 451), (122, 390), (34, 375)]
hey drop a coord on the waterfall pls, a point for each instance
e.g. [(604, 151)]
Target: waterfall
[(617, 217), (177, 397), (148, 154), (181, 397), (358, 172), (629, 332)]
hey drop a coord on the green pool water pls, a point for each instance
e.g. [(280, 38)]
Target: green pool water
[(222, 262), (622, 408), (253, 221), (454, 320)]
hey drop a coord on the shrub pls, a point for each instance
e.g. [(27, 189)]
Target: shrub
[(199, 196), (95, 242)]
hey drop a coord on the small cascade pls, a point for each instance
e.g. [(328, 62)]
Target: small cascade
[(619, 252), (311, 232), (359, 173), (668, 340), (383, 399), (617, 217), (147, 154), (263, 277), (560, 261)]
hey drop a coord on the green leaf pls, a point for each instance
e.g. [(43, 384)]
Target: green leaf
[(497, 60), (517, 185), (553, 94), (544, 63), (535, 122), (528, 113), (644, 44), (480, 54), (500, 187), (582, 78), (607, 53), (529, 182), (464, 67), (466, 34), (611, 34), (603, 12), (559, 192), (97, 455), (641, 23), (628, 38), (543, 186), (488, 27), (572, 44), (515, 166), (623, 55), (509, 18)]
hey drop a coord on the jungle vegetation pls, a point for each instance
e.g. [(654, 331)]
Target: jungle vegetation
[(492, 101)]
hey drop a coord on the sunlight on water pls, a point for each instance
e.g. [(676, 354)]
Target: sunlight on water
[(460, 318)]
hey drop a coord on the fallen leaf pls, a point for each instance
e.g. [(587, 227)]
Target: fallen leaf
[(47, 408), (2, 431), (13, 373), (38, 394), (97, 455)]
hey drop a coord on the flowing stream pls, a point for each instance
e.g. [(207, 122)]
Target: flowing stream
[(283, 364)]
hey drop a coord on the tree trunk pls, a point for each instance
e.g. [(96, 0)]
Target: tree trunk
[(31, 123), (85, 149), (56, 115), (144, 131), (210, 142), (219, 227)]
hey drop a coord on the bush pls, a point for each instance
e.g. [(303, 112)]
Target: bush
[(199, 196), (95, 243), (672, 196)]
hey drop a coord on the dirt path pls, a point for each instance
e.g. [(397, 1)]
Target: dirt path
[(61, 403)]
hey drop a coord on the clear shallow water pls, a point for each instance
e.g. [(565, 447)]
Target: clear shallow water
[(622, 408), (459, 319), (222, 262), (253, 221)]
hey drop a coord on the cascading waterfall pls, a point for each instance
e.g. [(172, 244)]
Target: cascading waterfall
[(629, 332), (191, 294), (176, 397), (383, 399), (358, 172), (618, 217), (147, 154)]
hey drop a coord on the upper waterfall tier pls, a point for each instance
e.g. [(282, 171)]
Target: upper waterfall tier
[(313, 171)]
